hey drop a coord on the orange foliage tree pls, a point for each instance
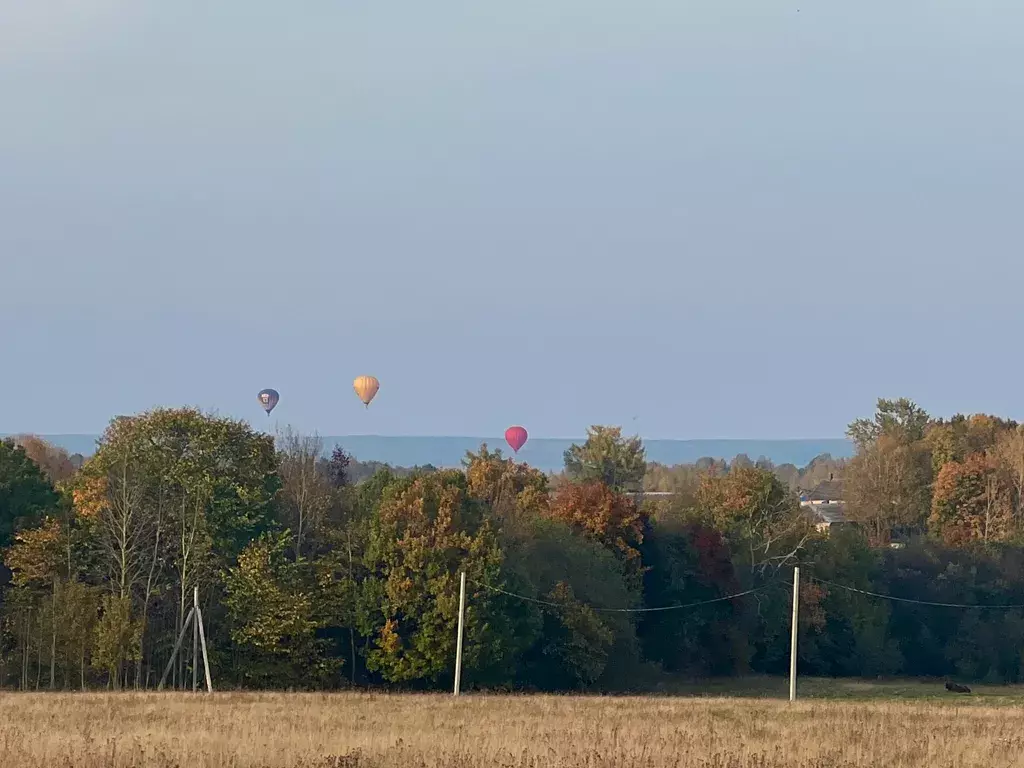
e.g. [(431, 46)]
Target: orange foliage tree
[(970, 502), (511, 488), (53, 460), (758, 514), (604, 515)]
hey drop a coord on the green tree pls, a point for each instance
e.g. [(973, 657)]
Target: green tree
[(35, 560), (77, 608), (425, 530), (26, 495), (118, 639), (851, 635), (271, 605), (689, 561), (608, 457), (174, 495), (339, 566), (901, 420), (564, 642)]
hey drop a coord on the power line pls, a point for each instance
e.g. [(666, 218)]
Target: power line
[(915, 602), (622, 610)]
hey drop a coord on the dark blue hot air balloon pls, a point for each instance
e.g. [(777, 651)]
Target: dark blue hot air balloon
[(269, 399)]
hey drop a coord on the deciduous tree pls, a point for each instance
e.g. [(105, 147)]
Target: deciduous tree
[(305, 495), (53, 460), (605, 515), (511, 489), (970, 503), (426, 530), (564, 641), (758, 514), (26, 494), (185, 492), (900, 420), (886, 487), (271, 604), (1009, 456), (608, 457)]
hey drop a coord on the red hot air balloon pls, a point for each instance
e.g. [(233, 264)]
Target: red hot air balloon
[(516, 437)]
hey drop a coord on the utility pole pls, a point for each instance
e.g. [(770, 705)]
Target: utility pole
[(458, 644), (195, 642), (202, 640), (793, 635), (193, 621)]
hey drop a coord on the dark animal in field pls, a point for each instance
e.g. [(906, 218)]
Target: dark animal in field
[(957, 688)]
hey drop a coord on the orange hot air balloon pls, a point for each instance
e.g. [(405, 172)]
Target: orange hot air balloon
[(366, 387)]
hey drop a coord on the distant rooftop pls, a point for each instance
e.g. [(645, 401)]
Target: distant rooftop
[(830, 513), (830, 490)]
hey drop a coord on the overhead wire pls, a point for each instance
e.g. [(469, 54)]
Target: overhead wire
[(910, 600), (755, 590), (680, 606)]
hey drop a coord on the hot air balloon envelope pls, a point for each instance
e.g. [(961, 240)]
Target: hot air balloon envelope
[(366, 388), (269, 399), (516, 437)]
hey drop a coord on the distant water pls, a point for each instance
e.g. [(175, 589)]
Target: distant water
[(543, 453)]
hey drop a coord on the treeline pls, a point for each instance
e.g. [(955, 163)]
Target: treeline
[(310, 579), (684, 478)]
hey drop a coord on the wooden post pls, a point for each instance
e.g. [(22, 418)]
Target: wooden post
[(458, 644), (195, 641), (177, 646), (202, 640), (793, 634), (24, 664)]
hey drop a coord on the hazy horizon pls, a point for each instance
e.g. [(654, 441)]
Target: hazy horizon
[(696, 220), (543, 453)]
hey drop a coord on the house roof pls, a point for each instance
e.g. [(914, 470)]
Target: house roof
[(830, 490), (832, 513)]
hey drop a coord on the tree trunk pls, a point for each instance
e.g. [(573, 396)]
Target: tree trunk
[(352, 641), (150, 578), (351, 630), (39, 657), (53, 663)]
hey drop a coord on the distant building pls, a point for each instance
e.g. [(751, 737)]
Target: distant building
[(826, 505), (824, 493)]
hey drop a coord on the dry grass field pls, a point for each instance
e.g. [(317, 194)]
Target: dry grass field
[(409, 731)]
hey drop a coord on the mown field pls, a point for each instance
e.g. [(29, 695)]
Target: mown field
[(839, 725)]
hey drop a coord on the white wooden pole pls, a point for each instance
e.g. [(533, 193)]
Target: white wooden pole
[(177, 646), (458, 645), (195, 641), (793, 635), (206, 658)]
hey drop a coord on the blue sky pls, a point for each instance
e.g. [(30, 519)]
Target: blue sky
[(725, 218)]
